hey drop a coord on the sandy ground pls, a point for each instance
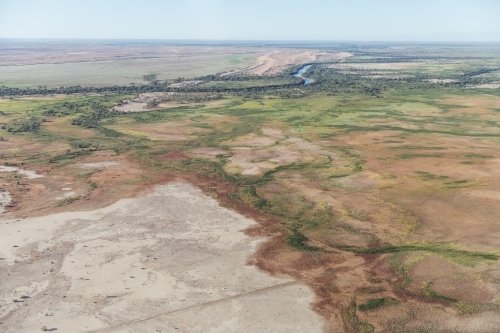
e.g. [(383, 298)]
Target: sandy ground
[(5, 199), (93, 165), (441, 80), (253, 154), (129, 106), (488, 86), (279, 60), (140, 104), (27, 173), (170, 261), (185, 84), (378, 66)]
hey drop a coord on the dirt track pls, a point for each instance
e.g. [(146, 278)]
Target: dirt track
[(170, 261)]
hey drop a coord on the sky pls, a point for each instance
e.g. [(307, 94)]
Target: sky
[(315, 20)]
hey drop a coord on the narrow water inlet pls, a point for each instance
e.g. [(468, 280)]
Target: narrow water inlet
[(300, 73)]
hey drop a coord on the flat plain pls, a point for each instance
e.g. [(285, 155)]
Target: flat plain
[(377, 187)]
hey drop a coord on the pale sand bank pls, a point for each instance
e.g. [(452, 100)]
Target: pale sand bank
[(171, 261)]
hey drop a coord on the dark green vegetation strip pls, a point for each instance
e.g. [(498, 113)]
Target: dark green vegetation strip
[(375, 303), (298, 241), (438, 249), (352, 323), (408, 156)]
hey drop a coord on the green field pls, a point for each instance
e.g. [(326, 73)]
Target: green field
[(119, 72)]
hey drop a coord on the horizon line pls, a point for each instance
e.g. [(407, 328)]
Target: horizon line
[(248, 40)]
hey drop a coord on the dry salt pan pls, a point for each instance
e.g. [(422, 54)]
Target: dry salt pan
[(27, 173), (174, 256), (92, 165)]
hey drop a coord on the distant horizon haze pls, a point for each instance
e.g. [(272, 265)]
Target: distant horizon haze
[(259, 20), (264, 42)]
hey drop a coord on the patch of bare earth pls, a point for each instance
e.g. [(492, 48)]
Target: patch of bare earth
[(210, 153), (189, 83), (144, 102), (452, 280), (377, 66), (160, 100), (253, 154), (362, 180), (169, 131), (131, 106), (175, 104)]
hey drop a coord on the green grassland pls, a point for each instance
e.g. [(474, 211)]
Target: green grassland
[(314, 118)]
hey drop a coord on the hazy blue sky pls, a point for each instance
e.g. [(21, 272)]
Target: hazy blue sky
[(401, 20)]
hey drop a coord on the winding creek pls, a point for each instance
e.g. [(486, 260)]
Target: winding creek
[(300, 73)]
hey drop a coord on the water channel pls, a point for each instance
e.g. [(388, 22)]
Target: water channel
[(301, 72)]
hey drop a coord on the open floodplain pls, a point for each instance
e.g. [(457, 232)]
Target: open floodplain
[(247, 201)]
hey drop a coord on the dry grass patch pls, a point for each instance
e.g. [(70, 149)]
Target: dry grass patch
[(207, 152), (62, 126), (168, 131), (378, 66)]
